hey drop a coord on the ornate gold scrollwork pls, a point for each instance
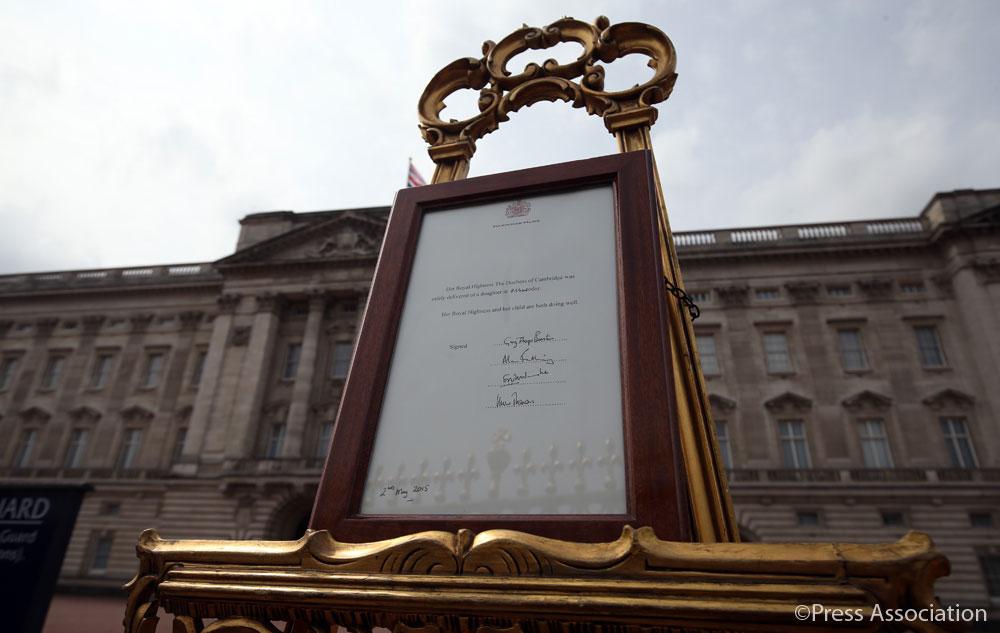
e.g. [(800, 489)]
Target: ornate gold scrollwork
[(502, 581), (580, 82)]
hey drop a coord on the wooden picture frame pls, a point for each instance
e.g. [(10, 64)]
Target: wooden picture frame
[(655, 488)]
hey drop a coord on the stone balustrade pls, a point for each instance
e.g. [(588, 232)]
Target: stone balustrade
[(798, 233), (286, 465), (109, 277), (314, 465)]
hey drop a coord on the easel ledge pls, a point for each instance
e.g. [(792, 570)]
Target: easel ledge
[(501, 580)]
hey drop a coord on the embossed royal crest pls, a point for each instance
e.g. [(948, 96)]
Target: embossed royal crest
[(518, 209)]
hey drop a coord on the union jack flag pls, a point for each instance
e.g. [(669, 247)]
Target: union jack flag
[(413, 177)]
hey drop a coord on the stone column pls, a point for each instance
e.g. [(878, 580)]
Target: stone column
[(201, 414), (242, 427), (979, 326), (362, 303), (298, 410)]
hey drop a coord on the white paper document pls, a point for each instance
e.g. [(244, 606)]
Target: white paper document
[(504, 394)]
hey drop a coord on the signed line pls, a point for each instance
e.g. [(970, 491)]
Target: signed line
[(543, 382), (549, 404), (525, 362)]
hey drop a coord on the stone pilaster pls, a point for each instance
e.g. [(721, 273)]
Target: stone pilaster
[(208, 386), (980, 331), (242, 427), (173, 382), (302, 389)]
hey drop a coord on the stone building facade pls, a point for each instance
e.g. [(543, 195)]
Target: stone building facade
[(853, 370)]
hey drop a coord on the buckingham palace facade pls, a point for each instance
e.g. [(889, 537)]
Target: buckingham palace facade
[(853, 367)]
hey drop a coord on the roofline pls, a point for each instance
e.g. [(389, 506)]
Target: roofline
[(953, 194), (719, 236), (269, 215)]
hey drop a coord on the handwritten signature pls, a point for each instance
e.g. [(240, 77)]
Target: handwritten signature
[(526, 358), (526, 341), (512, 401), (517, 377)]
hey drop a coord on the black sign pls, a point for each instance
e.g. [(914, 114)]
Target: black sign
[(35, 526)]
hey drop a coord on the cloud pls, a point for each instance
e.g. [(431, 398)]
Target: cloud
[(139, 134), (871, 166)]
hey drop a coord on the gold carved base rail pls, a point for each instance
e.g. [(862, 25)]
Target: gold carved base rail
[(509, 582)]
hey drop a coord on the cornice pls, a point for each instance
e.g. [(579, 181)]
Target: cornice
[(166, 288), (269, 266)]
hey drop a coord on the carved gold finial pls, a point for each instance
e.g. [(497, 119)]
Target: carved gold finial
[(580, 83)]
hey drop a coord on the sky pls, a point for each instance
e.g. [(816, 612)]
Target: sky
[(140, 133)]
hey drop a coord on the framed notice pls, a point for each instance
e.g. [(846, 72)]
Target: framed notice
[(512, 370)]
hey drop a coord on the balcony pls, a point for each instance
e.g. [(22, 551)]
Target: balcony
[(83, 474), (887, 474), (864, 475), (283, 466), (803, 474)]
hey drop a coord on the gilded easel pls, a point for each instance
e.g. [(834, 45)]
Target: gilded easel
[(509, 582)]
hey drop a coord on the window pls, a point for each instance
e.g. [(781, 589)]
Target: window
[(956, 436), (8, 368), (991, 571), (199, 367), (291, 361), (53, 369), (725, 448), (102, 553), (706, 350), (101, 370), (27, 444), (892, 519), (131, 440), (981, 519), (298, 308), (838, 291), (153, 369), (348, 306), (911, 287), (766, 294), (325, 434), (807, 519), (929, 346), (275, 438), (852, 352), (76, 449), (700, 296), (776, 353), (175, 455), (874, 444), (794, 450), (341, 360)]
